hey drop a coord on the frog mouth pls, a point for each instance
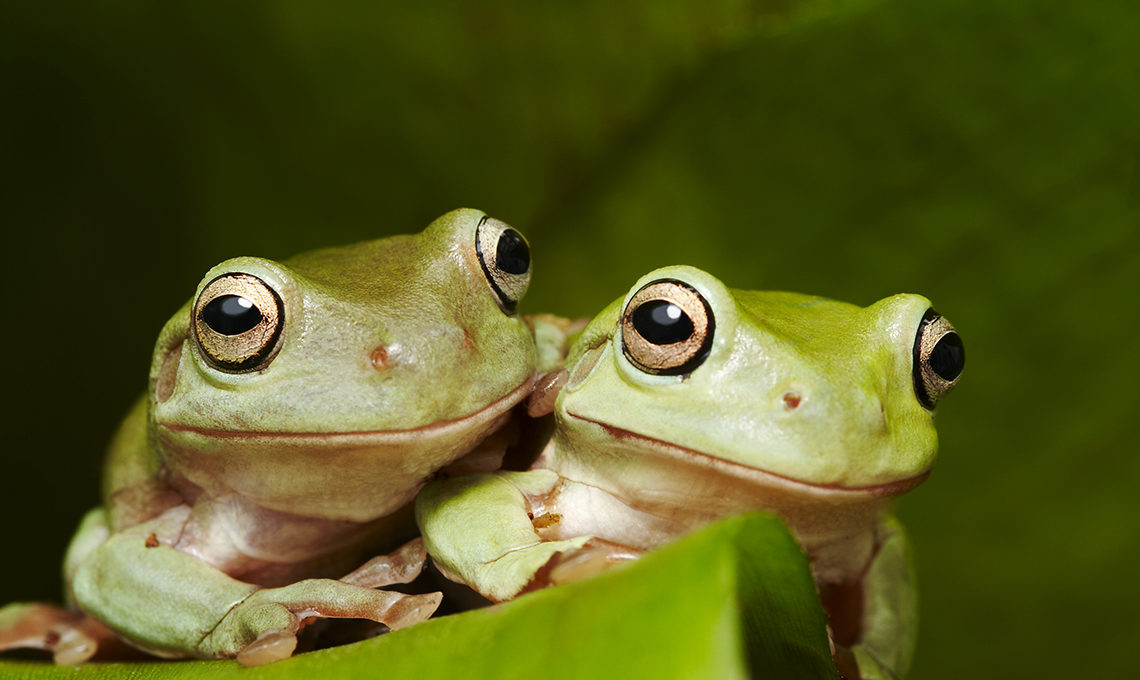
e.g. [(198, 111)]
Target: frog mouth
[(440, 428), (689, 456)]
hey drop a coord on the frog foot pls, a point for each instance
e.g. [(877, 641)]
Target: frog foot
[(402, 565), (263, 627), (595, 556), (69, 635)]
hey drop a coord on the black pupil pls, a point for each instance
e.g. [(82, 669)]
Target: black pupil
[(662, 322), (948, 356), (231, 314), (512, 255)]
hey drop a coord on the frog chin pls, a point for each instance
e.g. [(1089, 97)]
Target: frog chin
[(356, 476), (686, 456)]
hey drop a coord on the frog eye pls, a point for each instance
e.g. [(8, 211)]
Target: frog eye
[(505, 257), (939, 357), (667, 328), (237, 321)]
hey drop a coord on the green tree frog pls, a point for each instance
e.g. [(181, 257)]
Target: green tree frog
[(294, 410), (686, 401)]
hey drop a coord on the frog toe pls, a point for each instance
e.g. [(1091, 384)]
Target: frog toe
[(270, 646), (401, 566), (411, 609), (595, 556), (69, 635)]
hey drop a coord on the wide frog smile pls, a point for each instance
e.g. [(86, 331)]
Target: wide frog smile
[(688, 456), (437, 428)]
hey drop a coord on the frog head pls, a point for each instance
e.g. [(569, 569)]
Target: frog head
[(334, 383), (817, 394)]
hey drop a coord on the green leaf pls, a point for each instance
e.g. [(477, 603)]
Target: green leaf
[(735, 600)]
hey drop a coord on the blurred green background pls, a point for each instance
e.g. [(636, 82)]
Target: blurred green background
[(981, 152)]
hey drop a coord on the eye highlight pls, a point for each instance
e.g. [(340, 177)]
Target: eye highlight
[(231, 314), (505, 257), (667, 328), (939, 357), (236, 322), (662, 323)]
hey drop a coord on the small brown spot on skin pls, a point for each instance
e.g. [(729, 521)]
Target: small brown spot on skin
[(51, 639), (547, 520), (152, 541), (792, 400), (379, 358)]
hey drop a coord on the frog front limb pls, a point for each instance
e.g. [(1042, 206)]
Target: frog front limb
[(890, 617), (169, 602), (479, 530), (67, 633)]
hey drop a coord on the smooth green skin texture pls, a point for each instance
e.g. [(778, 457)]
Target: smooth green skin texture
[(748, 610), (451, 353), (859, 421), (263, 477), (827, 465)]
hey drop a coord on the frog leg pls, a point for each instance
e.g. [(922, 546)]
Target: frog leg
[(263, 627), (93, 530), (171, 603), (890, 618), (71, 636), (479, 532)]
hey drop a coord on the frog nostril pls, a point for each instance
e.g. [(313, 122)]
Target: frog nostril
[(379, 358), (792, 400)]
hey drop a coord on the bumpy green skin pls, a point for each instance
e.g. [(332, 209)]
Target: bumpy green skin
[(637, 459), (224, 491)]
